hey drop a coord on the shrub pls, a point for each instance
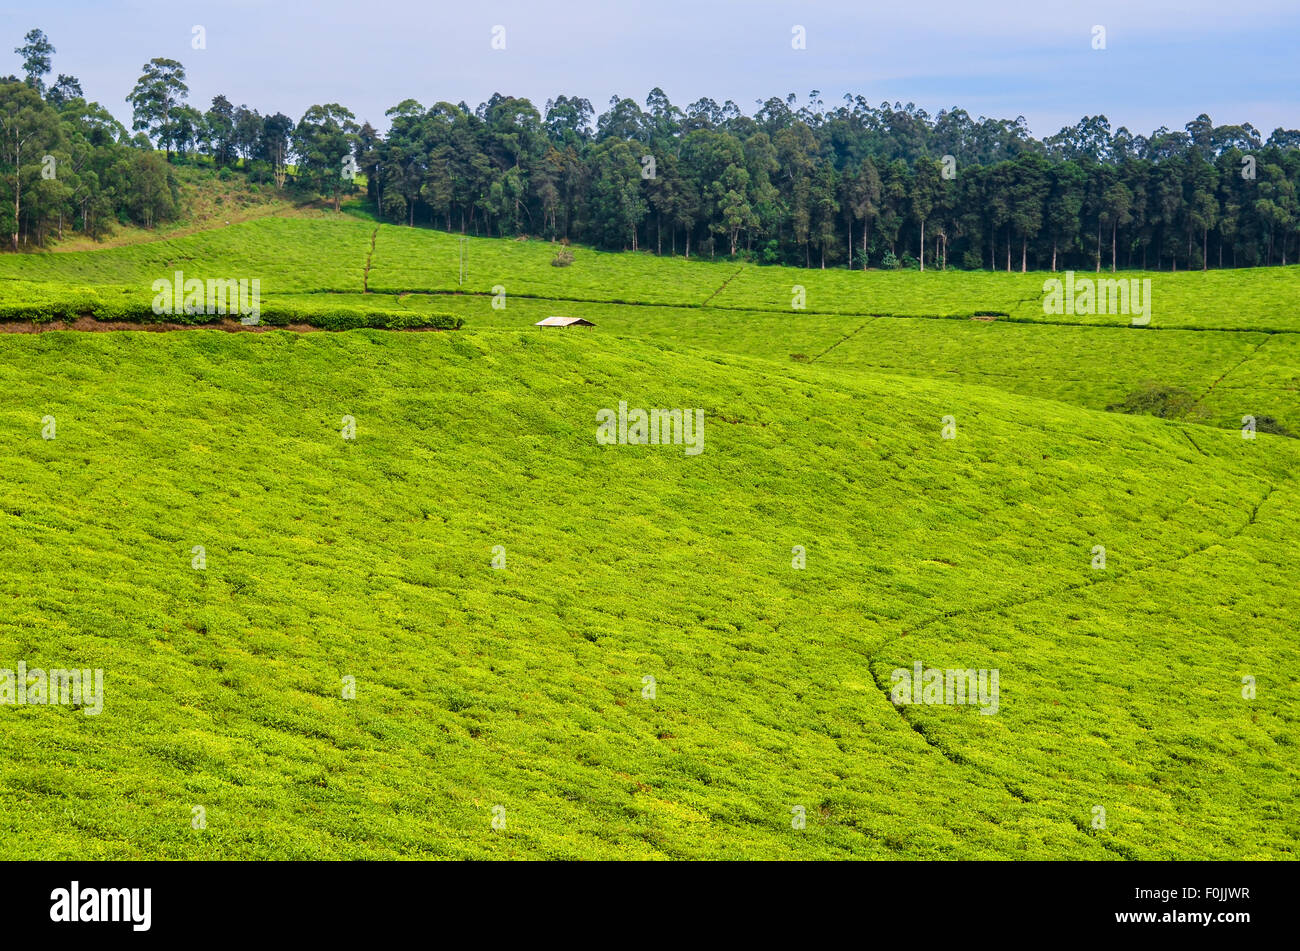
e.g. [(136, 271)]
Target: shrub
[(44, 302), (280, 314), (563, 258), (1267, 424), (1156, 399)]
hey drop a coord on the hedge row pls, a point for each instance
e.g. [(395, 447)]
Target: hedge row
[(44, 303)]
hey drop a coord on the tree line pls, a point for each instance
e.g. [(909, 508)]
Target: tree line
[(852, 185), (66, 163)]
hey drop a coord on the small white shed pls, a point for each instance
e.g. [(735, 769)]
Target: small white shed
[(564, 322)]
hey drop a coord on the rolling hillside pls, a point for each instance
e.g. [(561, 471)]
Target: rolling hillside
[(1220, 345), (519, 693)]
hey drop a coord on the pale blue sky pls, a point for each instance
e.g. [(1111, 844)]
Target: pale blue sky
[(1166, 60)]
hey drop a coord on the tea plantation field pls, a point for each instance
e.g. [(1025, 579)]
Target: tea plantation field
[(372, 594)]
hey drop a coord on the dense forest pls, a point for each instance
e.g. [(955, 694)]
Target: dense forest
[(853, 185)]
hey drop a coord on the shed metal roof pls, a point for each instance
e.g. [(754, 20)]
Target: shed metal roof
[(564, 322)]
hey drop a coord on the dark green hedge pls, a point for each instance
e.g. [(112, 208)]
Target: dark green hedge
[(40, 306)]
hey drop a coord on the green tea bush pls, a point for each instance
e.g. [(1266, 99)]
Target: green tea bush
[(1156, 399)]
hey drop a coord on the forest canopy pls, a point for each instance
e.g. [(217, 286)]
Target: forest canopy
[(843, 185)]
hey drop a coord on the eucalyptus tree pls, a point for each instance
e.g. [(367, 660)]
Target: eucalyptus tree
[(29, 128), (36, 52), (155, 100), (323, 140)]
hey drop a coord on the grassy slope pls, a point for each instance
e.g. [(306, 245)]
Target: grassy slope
[(207, 201), (287, 254), (323, 252), (522, 687), (1252, 367), (1229, 373), (627, 562)]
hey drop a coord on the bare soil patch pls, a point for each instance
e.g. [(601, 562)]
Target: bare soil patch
[(91, 324)]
